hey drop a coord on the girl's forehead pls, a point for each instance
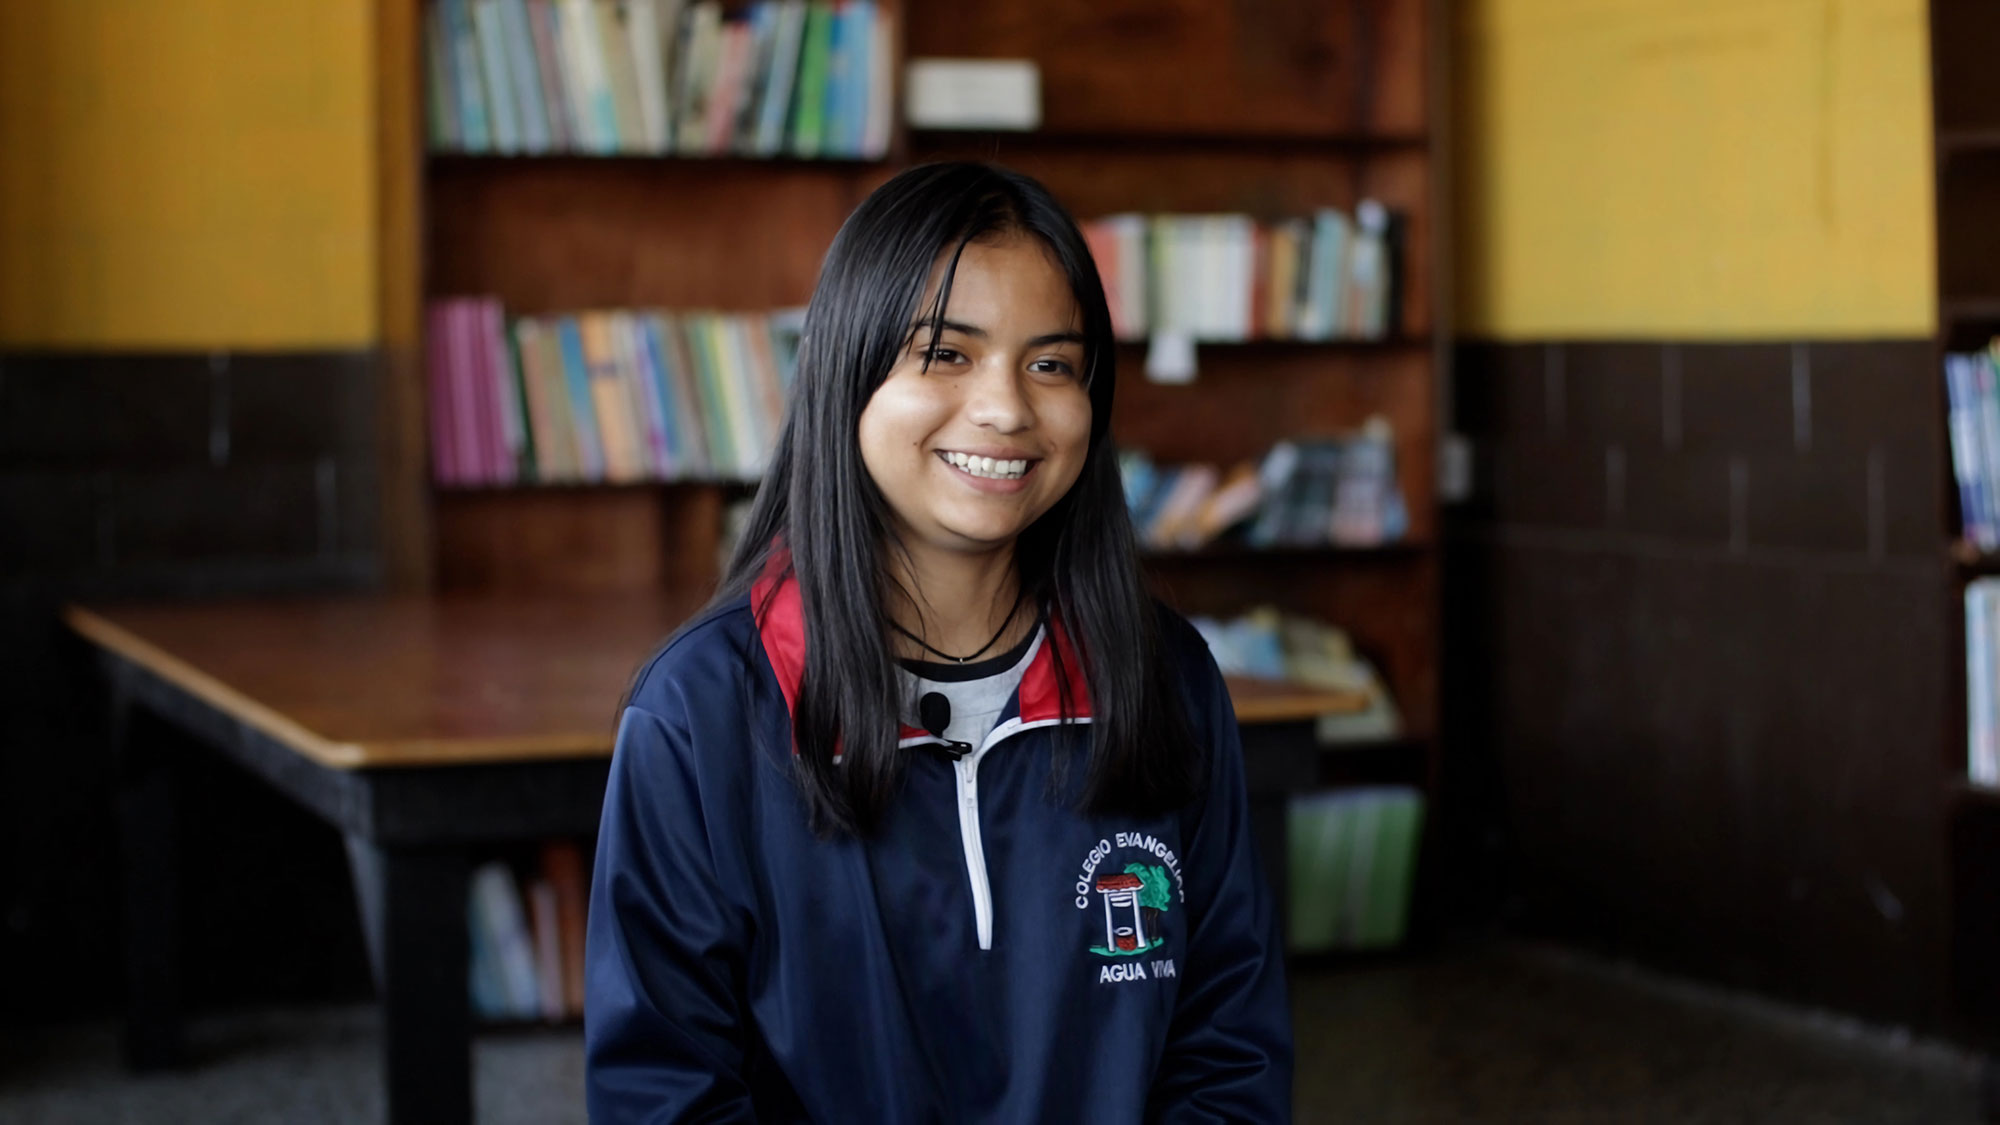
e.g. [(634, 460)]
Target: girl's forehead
[(1004, 273)]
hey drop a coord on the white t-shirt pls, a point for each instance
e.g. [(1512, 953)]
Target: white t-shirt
[(978, 691)]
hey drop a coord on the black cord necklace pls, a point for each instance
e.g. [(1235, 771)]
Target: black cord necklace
[(1012, 610)]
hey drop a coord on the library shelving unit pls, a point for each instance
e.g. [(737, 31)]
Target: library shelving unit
[(1965, 92), (1271, 111)]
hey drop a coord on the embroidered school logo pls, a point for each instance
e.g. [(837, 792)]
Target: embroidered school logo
[(1133, 903)]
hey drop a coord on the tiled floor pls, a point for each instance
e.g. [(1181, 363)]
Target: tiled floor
[(1512, 1035)]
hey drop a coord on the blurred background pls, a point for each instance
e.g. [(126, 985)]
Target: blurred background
[(1588, 398)]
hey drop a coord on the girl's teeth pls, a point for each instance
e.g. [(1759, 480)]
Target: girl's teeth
[(988, 467)]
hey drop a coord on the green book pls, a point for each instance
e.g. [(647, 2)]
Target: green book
[(722, 455), (809, 94), (1317, 829), (1352, 855), (1385, 912)]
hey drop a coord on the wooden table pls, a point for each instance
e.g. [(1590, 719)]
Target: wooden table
[(427, 730)]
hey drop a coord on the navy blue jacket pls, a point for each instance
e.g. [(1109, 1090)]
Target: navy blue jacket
[(989, 954)]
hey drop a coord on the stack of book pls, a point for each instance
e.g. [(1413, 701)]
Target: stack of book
[(1266, 644), (1339, 491), (1982, 681), (527, 938), (1353, 860), (1230, 278), (778, 78), (611, 396), (1970, 385)]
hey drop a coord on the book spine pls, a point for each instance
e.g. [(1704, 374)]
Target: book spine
[(610, 395), (701, 46), (473, 437), (564, 461), (1958, 429), (696, 457), (718, 129), (1986, 770), (1979, 680), (500, 103), (443, 407), (576, 376), (809, 94), (542, 26), (881, 85), (775, 112), (762, 31), (647, 337), (547, 935), (477, 132), (507, 393), (1987, 420), (649, 72), (638, 364), (524, 76), (440, 83), (527, 346)]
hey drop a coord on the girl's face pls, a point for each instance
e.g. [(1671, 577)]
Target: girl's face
[(972, 448)]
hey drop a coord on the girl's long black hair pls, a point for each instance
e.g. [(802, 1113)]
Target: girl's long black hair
[(819, 504)]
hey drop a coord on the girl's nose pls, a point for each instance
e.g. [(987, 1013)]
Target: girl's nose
[(998, 400)]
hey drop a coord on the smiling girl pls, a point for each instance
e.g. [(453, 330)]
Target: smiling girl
[(933, 815)]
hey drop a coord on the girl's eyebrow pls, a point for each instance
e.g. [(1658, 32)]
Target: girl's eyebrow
[(980, 333)]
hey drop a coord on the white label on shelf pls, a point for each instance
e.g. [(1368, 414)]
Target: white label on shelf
[(1170, 359), (973, 94)]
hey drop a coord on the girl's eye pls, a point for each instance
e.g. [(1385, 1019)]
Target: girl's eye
[(941, 355), (1053, 367)]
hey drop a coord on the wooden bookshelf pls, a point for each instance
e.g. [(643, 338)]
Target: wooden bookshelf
[(1965, 90), (1198, 108)]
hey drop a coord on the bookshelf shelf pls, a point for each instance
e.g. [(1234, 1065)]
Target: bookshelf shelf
[(560, 487), (1955, 142), (1134, 350), (1970, 560), (489, 162), (1328, 554), (1971, 793), (1099, 139), (1969, 311)]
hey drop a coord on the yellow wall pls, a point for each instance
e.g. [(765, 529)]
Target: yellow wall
[(187, 174), (1694, 168)]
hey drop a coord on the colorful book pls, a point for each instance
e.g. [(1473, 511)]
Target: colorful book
[(583, 411), (440, 84), (475, 130), (500, 102), (446, 466), (809, 88), (775, 104), (700, 55), (556, 97), (524, 76)]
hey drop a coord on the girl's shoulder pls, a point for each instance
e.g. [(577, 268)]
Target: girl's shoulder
[(1184, 649), (707, 659)]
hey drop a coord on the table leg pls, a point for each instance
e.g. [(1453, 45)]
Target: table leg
[(419, 939), (148, 833)]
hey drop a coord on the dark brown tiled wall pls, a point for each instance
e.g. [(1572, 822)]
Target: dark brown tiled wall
[(1697, 666), (166, 476)]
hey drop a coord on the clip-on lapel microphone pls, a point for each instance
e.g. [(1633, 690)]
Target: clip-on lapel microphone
[(934, 712)]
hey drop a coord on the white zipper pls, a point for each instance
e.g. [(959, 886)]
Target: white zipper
[(967, 771)]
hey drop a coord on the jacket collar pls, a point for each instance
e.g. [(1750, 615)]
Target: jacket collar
[(781, 626)]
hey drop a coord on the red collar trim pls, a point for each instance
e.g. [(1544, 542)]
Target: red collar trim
[(781, 626)]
